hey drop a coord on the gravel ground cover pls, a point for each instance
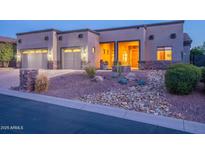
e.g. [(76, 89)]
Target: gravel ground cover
[(151, 97)]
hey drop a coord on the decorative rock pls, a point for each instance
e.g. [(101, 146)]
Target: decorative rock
[(141, 82), (131, 76), (150, 98), (131, 88), (98, 79), (115, 74), (124, 103), (122, 80)]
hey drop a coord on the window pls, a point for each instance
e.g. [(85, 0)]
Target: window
[(107, 53), (46, 38), (60, 38), (124, 57), (151, 37), (173, 36), (33, 51), (128, 53), (164, 53)]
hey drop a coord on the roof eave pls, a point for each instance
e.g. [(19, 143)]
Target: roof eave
[(37, 31), (144, 25)]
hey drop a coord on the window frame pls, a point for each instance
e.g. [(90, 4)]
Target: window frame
[(164, 49)]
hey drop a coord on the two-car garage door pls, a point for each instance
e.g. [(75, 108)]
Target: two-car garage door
[(71, 58), (34, 59), (37, 58)]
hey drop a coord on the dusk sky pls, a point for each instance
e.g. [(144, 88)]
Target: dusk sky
[(9, 28)]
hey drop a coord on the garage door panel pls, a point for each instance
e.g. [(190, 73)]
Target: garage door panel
[(71, 59), (77, 61), (37, 60), (68, 60), (24, 61)]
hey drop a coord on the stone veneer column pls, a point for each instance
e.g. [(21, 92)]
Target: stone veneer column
[(18, 64), (27, 79)]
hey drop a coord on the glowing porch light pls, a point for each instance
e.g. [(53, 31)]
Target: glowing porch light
[(50, 57), (18, 57)]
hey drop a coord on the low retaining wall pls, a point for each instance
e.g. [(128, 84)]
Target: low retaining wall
[(27, 79), (143, 65), (123, 69)]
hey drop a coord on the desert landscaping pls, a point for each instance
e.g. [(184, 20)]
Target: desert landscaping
[(143, 91)]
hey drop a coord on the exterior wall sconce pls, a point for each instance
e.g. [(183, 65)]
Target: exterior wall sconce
[(93, 50), (50, 57), (18, 57)]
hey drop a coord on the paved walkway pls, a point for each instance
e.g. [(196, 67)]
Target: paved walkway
[(9, 77)]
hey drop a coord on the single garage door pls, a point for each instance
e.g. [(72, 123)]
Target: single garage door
[(34, 59), (71, 58)]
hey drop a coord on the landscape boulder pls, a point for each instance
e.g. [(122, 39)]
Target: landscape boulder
[(122, 80), (98, 79), (131, 76)]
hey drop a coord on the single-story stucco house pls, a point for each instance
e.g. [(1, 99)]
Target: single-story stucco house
[(139, 46)]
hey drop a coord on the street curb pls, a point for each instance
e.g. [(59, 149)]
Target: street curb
[(172, 123)]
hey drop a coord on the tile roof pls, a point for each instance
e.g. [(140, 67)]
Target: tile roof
[(7, 39)]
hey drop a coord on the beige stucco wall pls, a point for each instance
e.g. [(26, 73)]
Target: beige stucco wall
[(37, 41), (54, 48), (125, 35), (148, 48), (162, 38), (71, 40), (93, 42)]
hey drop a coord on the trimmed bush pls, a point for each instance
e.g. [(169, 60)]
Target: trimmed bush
[(41, 84), (182, 78), (91, 71), (7, 51), (203, 74)]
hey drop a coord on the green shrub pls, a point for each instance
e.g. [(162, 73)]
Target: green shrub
[(182, 78), (41, 84), (91, 71), (6, 53), (203, 75)]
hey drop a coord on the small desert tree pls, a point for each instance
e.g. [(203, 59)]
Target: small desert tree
[(6, 53), (197, 51)]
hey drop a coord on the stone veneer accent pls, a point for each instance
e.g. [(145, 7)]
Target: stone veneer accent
[(155, 64), (27, 79), (18, 64)]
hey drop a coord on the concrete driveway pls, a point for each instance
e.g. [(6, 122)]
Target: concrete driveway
[(9, 77)]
